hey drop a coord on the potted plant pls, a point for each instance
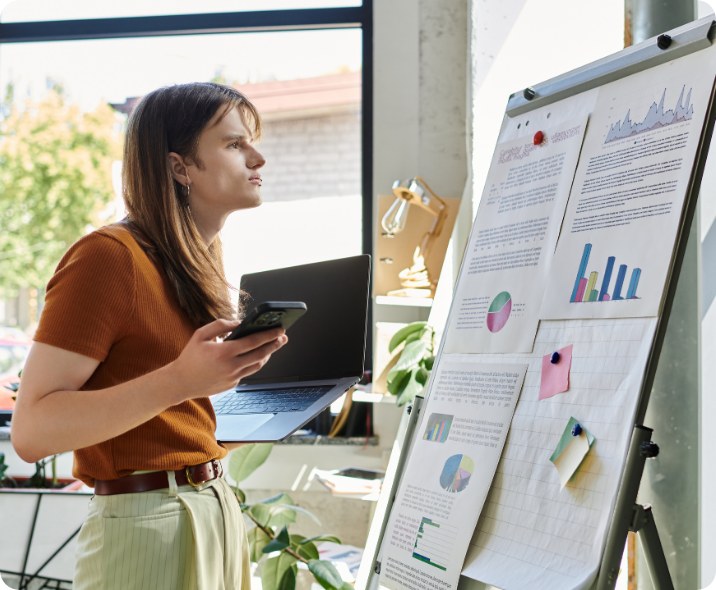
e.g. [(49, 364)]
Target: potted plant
[(413, 363), (277, 551)]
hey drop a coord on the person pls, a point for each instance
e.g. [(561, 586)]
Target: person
[(128, 351)]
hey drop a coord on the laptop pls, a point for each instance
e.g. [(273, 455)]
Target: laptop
[(322, 360)]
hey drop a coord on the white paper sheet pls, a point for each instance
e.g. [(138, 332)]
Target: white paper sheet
[(615, 249), (531, 533), (497, 299), (456, 451)]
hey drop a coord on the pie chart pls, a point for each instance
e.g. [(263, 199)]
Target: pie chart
[(499, 312), (456, 473)]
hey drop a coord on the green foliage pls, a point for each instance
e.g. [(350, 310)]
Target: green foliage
[(55, 179), (245, 460), (257, 541), (275, 572), (403, 333), (3, 466), (410, 373), (270, 542), (326, 574), (279, 542)]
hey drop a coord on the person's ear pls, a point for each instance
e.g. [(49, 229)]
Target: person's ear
[(179, 169)]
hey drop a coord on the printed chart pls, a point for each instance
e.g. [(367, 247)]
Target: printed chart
[(628, 194), (584, 290), (499, 312), (655, 118), (456, 473), (438, 427), (434, 543)]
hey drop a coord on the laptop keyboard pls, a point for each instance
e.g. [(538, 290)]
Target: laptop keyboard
[(294, 399)]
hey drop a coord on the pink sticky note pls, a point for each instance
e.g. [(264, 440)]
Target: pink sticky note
[(555, 377)]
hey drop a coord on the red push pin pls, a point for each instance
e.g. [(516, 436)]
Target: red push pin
[(539, 136)]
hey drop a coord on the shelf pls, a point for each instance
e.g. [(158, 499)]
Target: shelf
[(373, 398), (320, 439), (404, 301)]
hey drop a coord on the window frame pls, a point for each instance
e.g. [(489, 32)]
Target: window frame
[(307, 19)]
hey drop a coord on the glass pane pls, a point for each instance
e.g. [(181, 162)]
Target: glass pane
[(42, 10), (307, 85)]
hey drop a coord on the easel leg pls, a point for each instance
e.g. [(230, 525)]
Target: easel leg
[(653, 551)]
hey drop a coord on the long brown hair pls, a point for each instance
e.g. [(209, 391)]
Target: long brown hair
[(167, 120)]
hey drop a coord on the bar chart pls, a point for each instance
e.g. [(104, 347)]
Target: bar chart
[(585, 289), (438, 427), (434, 543)]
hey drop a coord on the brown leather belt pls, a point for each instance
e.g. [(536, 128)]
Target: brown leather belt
[(157, 480)]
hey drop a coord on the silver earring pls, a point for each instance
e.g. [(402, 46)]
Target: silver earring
[(188, 190)]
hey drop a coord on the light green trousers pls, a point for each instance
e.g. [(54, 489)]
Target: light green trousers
[(181, 538)]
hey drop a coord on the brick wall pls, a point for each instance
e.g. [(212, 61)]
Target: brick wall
[(317, 156)]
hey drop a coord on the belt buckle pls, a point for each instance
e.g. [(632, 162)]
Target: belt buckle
[(213, 462)]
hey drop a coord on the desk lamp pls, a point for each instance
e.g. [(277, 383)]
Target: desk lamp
[(415, 280)]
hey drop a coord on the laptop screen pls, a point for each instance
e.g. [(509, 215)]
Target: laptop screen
[(329, 340)]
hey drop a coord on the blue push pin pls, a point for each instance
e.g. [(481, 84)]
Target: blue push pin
[(554, 359), (576, 430)]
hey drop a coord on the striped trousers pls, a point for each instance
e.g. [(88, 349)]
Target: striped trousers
[(180, 538)]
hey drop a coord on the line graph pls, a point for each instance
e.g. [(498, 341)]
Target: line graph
[(655, 118)]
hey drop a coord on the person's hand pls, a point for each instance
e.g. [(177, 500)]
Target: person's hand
[(206, 367)]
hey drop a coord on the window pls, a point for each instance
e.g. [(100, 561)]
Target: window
[(308, 83)]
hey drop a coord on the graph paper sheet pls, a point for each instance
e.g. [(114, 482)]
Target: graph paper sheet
[(530, 533)]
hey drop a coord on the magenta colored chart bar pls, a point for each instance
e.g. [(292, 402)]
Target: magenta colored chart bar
[(582, 288)]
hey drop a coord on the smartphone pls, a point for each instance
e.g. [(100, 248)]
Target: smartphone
[(267, 315)]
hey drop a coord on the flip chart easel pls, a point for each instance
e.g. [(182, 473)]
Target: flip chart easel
[(627, 515)]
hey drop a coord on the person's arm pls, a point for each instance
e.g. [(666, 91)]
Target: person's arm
[(52, 416)]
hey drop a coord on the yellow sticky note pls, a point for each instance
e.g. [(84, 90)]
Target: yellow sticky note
[(571, 458)]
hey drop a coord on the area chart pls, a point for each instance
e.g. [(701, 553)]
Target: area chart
[(434, 543), (655, 118), (585, 289)]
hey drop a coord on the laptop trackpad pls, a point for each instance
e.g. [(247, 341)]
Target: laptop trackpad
[(238, 427)]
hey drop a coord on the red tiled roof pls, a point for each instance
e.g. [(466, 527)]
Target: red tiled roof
[(305, 93), (291, 95)]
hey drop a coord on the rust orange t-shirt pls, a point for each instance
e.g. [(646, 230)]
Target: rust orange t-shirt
[(109, 301)]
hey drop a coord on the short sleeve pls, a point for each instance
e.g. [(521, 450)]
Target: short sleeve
[(90, 298)]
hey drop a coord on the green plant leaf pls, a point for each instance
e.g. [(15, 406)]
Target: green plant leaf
[(422, 376), (403, 333), (257, 541), (288, 582), (271, 499), (304, 547), (429, 362), (329, 538), (271, 513), (398, 383), (240, 495), (274, 570), (304, 512), (278, 543), (245, 460), (417, 335), (412, 354), (326, 574), (412, 388), (347, 586)]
